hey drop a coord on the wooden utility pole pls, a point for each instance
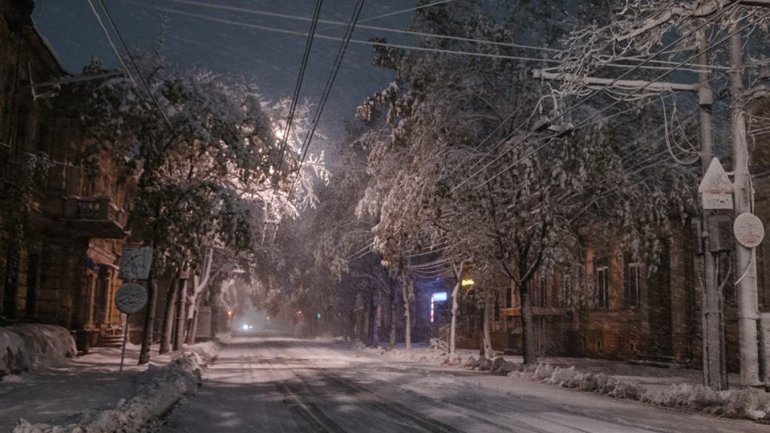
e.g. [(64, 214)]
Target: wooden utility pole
[(745, 258), (714, 366)]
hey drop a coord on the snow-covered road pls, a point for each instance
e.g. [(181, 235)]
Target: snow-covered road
[(276, 384)]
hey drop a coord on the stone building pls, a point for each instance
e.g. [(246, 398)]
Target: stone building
[(63, 208)]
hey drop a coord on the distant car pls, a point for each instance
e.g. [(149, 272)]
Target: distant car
[(244, 329)]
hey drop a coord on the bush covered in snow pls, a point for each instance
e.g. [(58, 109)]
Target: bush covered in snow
[(27, 346)]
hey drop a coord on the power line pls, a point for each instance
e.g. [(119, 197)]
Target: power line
[(144, 81), (327, 88), (300, 79), (593, 94), (413, 47), (596, 92), (402, 11), (367, 27), (111, 42), (412, 32), (355, 41), (586, 121)]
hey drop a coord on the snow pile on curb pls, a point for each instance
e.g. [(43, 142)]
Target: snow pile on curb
[(204, 352), (737, 403), (159, 390), (740, 403), (28, 346), (747, 403), (591, 382), (431, 356)]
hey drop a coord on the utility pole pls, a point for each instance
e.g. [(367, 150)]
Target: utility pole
[(745, 258), (714, 366)]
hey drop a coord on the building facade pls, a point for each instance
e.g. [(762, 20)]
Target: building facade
[(63, 206)]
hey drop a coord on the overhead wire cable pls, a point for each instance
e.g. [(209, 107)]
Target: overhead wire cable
[(587, 122), (327, 89), (111, 42), (393, 45), (598, 91), (300, 79), (412, 32), (593, 94), (336, 24), (292, 110), (131, 59)]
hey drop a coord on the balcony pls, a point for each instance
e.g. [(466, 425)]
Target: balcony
[(95, 217)]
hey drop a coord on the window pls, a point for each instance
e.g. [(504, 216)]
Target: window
[(632, 282), (566, 289), (601, 269), (542, 291)]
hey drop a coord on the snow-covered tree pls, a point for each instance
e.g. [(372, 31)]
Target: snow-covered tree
[(205, 153), (455, 161)]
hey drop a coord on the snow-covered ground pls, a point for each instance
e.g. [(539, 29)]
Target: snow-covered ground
[(669, 387), (287, 385), (90, 389)]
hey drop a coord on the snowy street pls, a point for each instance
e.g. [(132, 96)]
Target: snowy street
[(277, 384)]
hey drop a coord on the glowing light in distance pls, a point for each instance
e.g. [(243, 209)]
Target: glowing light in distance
[(439, 296), (467, 282)]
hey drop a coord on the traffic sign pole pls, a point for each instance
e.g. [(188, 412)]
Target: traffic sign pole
[(123, 348)]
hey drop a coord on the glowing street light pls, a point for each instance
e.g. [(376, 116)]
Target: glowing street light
[(467, 282)]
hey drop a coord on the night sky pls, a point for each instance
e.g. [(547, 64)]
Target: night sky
[(195, 34)]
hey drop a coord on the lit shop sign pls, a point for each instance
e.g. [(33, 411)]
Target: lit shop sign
[(440, 296), (436, 297)]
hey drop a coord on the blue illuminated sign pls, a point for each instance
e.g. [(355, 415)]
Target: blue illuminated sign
[(439, 296)]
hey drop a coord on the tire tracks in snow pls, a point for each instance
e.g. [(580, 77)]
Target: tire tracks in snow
[(527, 423), (302, 408)]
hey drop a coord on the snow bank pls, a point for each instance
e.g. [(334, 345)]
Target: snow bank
[(592, 382), (204, 353), (28, 346), (159, 389), (740, 403), (737, 403)]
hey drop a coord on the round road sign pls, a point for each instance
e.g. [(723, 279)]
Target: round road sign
[(130, 298), (748, 230)]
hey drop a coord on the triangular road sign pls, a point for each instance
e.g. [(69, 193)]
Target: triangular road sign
[(715, 181)]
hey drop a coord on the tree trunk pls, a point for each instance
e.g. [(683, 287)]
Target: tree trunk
[(192, 333), (377, 316), (487, 330), (149, 321), (407, 317), (453, 323), (168, 317), (393, 317), (181, 318), (199, 284), (366, 326), (527, 328)]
